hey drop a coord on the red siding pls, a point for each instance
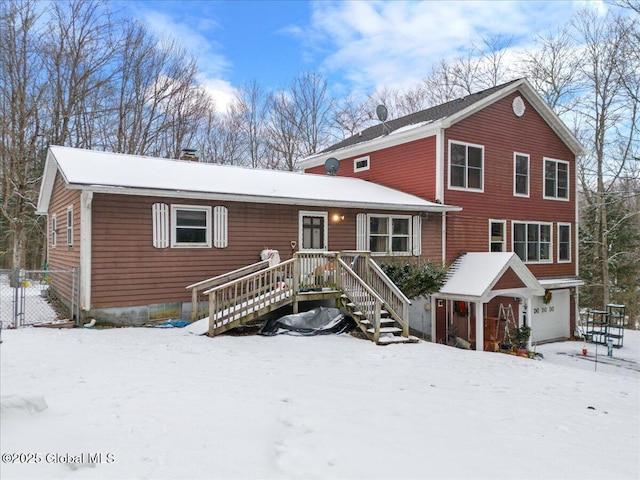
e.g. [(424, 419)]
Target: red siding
[(127, 270), (409, 167), (509, 280), (502, 133), (62, 256)]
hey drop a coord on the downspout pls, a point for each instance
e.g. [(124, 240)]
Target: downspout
[(440, 189), (86, 199), (574, 232)]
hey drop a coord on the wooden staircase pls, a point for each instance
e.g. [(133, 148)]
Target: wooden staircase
[(353, 279), (389, 331)]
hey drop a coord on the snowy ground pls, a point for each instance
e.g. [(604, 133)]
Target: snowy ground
[(161, 403), (36, 307)]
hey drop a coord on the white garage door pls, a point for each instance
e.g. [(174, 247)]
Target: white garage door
[(550, 321)]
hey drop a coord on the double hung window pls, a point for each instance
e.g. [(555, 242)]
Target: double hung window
[(532, 241), (521, 174), (556, 179)]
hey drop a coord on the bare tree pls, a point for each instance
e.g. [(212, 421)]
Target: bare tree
[(77, 51), (611, 117), (251, 107), (282, 132), (312, 107), (348, 117), (552, 67), (21, 144)]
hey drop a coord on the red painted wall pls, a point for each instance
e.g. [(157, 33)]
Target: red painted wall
[(409, 167)]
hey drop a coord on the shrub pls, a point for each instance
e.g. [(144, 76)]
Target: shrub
[(415, 279)]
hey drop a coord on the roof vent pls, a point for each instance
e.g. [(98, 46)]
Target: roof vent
[(518, 106)]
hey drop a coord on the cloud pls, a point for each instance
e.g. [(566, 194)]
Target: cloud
[(192, 32), (394, 44), (222, 92)]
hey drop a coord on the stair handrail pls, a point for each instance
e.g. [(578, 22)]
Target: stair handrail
[(245, 295), (198, 287), (396, 302), (249, 276), (356, 296)]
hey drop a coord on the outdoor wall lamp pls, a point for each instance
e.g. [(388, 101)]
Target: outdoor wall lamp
[(336, 217)]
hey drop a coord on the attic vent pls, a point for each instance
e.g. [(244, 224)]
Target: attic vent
[(518, 106)]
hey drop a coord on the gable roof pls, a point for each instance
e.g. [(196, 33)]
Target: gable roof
[(137, 175), (473, 276), (427, 122)]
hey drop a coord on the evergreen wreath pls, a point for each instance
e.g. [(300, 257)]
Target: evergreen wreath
[(547, 297), (460, 308)]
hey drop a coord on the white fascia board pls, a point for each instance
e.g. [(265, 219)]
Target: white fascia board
[(46, 187), (373, 145), (534, 99), (260, 199), (552, 283)]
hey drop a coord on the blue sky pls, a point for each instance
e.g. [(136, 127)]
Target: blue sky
[(357, 45)]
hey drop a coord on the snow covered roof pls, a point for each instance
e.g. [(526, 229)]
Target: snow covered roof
[(473, 275), (137, 175), (427, 122)]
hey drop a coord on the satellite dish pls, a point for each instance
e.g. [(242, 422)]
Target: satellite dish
[(331, 165), (381, 112)]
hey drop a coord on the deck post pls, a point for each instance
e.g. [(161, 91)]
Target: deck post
[(405, 320), (296, 282), (212, 314), (194, 304), (376, 314)]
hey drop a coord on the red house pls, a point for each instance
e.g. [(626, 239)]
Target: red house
[(509, 162), (156, 238)]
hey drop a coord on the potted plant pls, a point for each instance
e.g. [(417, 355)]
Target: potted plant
[(520, 338)]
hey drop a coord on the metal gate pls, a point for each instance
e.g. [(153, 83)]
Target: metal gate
[(38, 296)]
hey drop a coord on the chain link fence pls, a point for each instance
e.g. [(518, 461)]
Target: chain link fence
[(29, 297)]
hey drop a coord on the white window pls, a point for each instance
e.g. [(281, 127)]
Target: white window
[(70, 226), (312, 228), (190, 226), (497, 235), (532, 241), (466, 166), (54, 230), (556, 179), (361, 164), (521, 174), (390, 234), (564, 242)]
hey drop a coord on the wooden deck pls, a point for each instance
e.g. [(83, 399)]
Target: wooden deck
[(357, 283)]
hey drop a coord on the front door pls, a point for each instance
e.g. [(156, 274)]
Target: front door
[(313, 233)]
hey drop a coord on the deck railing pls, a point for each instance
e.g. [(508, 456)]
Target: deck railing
[(197, 289), (396, 302), (362, 295), (247, 297), (249, 292)]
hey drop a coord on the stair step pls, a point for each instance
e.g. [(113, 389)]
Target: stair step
[(391, 340), (386, 330)]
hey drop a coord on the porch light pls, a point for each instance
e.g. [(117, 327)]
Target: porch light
[(336, 218)]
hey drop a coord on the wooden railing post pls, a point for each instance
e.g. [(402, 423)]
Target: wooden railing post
[(212, 313), (296, 281), (376, 333), (194, 304)]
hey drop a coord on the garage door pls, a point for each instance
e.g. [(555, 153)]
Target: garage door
[(550, 321)]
